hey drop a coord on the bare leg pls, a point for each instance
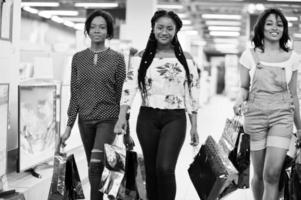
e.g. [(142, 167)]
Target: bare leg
[(257, 180)]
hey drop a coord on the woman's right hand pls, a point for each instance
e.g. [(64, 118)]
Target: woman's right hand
[(65, 136), (120, 126), (237, 108)]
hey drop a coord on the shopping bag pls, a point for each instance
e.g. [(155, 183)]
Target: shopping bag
[(230, 134), (240, 158), (65, 183), (295, 176), (128, 189), (211, 171), (114, 167)]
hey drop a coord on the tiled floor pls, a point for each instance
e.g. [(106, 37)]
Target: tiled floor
[(211, 121)]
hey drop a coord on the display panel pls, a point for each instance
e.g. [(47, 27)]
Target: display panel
[(4, 102), (37, 124)]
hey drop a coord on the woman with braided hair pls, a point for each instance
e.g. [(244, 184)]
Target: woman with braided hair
[(168, 81)]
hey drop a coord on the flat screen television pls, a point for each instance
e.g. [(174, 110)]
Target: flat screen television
[(38, 126), (4, 102)]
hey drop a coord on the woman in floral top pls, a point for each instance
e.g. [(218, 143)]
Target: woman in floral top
[(169, 85)]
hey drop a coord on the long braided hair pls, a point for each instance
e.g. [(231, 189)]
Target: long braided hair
[(150, 50)]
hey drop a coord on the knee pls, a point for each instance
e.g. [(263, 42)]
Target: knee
[(271, 176), (95, 168), (164, 170)]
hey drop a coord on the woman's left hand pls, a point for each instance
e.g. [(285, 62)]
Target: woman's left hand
[(194, 136), (128, 142)]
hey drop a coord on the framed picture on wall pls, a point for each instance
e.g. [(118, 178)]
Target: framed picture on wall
[(37, 109), (6, 19), (4, 102)]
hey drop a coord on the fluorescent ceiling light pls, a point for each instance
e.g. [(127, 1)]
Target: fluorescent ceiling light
[(30, 10), (57, 19), (40, 4), (223, 23), (60, 12), (191, 32), (182, 15), (79, 26), (69, 24), (75, 19), (223, 28), (97, 5), (227, 41), (287, 0), (297, 35), (45, 15), (186, 22), (292, 18), (224, 33), (170, 6), (221, 16)]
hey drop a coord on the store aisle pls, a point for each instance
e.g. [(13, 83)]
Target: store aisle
[(211, 120)]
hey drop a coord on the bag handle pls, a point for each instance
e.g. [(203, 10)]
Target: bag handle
[(119, 141)]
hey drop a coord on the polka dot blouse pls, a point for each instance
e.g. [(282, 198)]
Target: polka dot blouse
[(96, 86)]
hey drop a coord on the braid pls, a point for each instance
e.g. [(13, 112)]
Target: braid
[(150, 50)]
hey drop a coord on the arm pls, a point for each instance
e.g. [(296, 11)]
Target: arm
[(293, 89), (244, 89), (192, 94), (73, 103), (119, 77), (128, 93)]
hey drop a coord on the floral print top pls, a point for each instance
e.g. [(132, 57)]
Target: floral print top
[(166, 85)]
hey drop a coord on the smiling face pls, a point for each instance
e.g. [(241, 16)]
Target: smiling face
[(98, 30), (164, 30), (273, 28)]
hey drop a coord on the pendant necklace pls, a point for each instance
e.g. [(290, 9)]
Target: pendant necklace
[(96, 55)]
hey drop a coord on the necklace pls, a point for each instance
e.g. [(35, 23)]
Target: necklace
[(95, 59)]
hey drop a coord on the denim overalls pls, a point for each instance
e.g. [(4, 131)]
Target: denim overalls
[(269, 110)]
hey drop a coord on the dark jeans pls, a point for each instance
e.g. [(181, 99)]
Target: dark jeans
[(161, 133), (94, 134)]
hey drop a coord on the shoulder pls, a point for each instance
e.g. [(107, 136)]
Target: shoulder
[(81, 53), (246, 59), (188, 55), (115, 53)]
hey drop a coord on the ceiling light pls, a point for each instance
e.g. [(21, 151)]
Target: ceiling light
[(59, 12), (30, 10), (57, 19), (40, 4), (191, 32), (182, 15), (79, 26), (223, 28), (220, 16), (44, 15), (224, 33), (297, 35), (287, 0), (290, 24), (186, 22), (227, 41), (69, 24), (97, 5), (223, 23), (169, 6), (75, 19), (292, 18)]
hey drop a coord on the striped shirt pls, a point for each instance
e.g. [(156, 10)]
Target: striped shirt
[(96, 88)]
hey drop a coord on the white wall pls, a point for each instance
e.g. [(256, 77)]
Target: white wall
[(9, 59)]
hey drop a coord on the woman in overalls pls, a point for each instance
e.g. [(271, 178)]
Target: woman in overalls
[(269, 101)]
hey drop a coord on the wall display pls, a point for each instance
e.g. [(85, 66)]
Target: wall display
[(6, 19), (4, 92), (74, 140), (37, 124)]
